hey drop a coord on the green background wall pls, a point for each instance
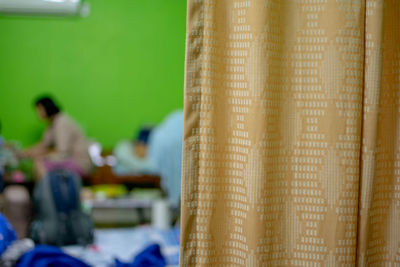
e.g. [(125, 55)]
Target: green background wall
[(118, 68)]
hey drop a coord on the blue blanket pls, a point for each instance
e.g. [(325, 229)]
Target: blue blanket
[(48, 256), (150, 257)]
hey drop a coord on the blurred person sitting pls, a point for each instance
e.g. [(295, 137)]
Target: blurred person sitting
[(9, 162), (2, 142), (131, 156), (63, 145), (16, 205)]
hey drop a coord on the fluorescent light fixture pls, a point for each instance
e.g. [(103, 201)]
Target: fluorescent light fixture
[(45, 7)]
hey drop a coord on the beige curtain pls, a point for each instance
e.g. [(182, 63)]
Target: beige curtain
[(292, 134)]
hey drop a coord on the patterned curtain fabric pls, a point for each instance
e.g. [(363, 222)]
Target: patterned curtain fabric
[(291, 153)]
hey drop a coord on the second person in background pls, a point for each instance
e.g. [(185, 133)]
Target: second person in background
[(63, 145)]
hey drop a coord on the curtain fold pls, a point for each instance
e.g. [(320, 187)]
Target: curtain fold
[(291, 150)]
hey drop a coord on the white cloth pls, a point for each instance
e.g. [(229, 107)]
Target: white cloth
[(125, 243)]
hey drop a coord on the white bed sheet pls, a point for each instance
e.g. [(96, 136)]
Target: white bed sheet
[(125, 243)]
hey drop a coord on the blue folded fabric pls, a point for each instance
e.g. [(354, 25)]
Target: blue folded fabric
[(150, 257), (48, 256), (7, 234)]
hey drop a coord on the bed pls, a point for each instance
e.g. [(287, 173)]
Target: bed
[(123, 244)]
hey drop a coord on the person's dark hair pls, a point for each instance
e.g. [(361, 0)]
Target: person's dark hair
[(143, 135), (49, 105)]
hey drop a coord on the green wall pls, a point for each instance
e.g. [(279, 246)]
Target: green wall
[(118, 68)]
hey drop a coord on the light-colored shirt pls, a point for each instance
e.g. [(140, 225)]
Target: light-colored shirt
[(165, 151), (68, 141)]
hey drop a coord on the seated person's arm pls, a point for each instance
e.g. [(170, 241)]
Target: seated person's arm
[(37, 150), (40, 149)]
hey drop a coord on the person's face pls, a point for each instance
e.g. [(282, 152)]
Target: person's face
[(41, 112), (140, 149)]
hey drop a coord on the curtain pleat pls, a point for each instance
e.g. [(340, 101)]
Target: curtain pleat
[(291, 151)]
